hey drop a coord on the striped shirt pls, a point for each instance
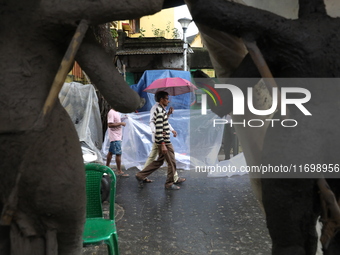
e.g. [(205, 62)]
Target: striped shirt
[(153, 120), (162, 125)]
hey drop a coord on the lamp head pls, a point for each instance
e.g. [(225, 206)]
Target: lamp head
[(184, 23)]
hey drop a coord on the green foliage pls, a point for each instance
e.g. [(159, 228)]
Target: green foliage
[(167, 30), (114, 33), (141, 31), (175, 33), (157, 32)]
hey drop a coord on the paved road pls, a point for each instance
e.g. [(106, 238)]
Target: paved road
[(208, 216)]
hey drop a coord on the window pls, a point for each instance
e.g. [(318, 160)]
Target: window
[(135, 25)]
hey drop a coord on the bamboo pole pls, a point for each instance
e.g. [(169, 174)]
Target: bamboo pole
[(65, 66), (264, 70)]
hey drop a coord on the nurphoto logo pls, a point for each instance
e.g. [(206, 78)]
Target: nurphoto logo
[(239, 99)]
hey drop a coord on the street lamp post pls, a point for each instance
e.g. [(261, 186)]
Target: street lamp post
[(185, 23)]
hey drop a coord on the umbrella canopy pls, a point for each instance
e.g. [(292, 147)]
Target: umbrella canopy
[(174, 86)]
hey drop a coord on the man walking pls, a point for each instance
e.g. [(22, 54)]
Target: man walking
[(154, 150), (165, 148), (115, 136)]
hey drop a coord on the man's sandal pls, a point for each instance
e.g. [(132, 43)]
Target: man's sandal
[(146, 180), (180, 180), (140, 182), (172, 187), (122, 174)]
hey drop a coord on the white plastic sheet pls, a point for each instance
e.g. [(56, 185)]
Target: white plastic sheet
[(81, 103), (197, 143), (227, 168)]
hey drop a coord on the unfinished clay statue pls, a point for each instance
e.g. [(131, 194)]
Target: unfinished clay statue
[(305, 47), (43, 207)]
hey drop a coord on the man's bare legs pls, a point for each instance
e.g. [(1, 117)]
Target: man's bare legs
[(109, 158), (118, 163)]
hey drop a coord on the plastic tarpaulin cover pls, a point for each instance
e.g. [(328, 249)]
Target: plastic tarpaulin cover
[(178, 102), (81, 103), (195, 145)]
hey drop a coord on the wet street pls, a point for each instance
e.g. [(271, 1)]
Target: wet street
[(211, 216)]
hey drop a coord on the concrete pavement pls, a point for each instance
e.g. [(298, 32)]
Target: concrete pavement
[(207, 216)]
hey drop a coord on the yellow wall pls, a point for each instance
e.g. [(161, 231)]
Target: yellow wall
[(209, 72), (197, 42), (159, 20), (162, 20)]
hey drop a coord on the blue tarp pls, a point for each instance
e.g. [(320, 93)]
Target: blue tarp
[(178, 102)]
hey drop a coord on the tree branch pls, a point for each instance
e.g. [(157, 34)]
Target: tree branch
[(308, 7)]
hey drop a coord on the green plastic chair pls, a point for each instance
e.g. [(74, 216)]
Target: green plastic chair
[(97, 229)]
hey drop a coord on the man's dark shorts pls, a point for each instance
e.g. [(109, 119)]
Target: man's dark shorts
[(116, 147)]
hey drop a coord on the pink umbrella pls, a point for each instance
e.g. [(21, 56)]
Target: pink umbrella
[(174, 86)]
